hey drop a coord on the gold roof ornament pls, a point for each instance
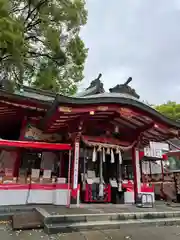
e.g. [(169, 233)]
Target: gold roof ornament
[(65, 109), (126, 112), (102, 108)]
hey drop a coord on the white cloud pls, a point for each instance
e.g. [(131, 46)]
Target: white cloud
[(138, 38)]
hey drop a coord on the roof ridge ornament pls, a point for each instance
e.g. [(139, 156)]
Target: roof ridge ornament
[(124, 88), (97, 83)]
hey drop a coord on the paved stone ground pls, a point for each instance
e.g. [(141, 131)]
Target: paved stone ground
[(108, 208), (148, 233)]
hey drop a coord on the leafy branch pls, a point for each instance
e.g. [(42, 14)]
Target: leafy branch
[(39, 40)]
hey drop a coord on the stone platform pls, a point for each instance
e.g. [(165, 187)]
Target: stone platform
[(56, 219), (107, 216), (108, 208)]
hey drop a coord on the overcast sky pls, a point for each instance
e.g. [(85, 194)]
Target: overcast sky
[(138, 38)]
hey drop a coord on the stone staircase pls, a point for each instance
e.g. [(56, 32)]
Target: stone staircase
[(83, 222), (73, 222)]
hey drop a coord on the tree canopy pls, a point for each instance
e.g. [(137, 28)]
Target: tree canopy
[(40, 44), (169, 109)]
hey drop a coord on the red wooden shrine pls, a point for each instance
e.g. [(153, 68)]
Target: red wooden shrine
[(108, 123)]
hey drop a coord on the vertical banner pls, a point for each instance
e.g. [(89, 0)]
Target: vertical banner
[(76, 165), (138, 173)]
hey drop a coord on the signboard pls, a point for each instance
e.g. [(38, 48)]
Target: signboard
[(159, 145), (156, 149), (76, 165), (151, 152), (33, 133)]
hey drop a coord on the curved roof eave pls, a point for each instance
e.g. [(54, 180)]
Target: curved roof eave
[(20, 97), (117, 100)]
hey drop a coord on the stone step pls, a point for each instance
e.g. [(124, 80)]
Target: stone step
[(7, 216), (6, 213), (83, 218), (27, 220), (102, 225)]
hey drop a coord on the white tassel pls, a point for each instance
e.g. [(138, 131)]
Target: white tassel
[(104, 155), (94, 155), (120, 157), (112, 156), (108, 151), (99, 148)]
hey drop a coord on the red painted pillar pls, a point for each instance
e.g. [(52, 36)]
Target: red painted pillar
[(136, 172)]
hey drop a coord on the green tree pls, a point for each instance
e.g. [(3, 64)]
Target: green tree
[(169, 109), (40, 44)]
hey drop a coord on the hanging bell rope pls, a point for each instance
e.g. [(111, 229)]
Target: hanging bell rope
[(120, 157)]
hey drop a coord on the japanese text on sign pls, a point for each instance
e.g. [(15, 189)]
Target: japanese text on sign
[(76, 165), (152, 152)]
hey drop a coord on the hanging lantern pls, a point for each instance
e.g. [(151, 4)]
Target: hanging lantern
[(94, 155), (104, 155), (112, 156), (108, 151)]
